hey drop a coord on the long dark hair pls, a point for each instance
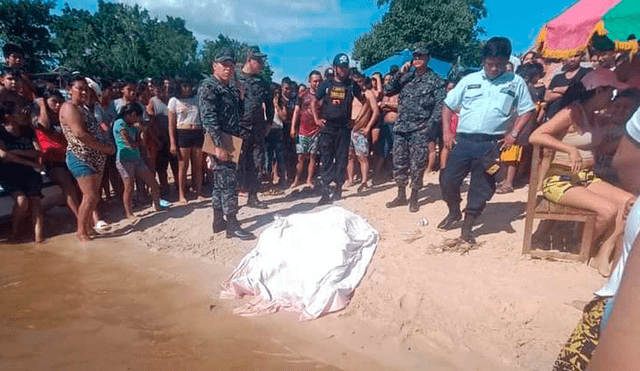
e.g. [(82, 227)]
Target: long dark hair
[(576, 93), (179, 82)]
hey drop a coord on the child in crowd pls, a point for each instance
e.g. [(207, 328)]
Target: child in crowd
[(53, 147), (128, 160), (19, 167)]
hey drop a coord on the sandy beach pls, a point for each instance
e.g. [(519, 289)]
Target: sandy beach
[(418, 307)]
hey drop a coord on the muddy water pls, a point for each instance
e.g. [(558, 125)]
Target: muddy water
[(81, 310)]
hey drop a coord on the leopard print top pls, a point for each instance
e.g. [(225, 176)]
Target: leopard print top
[(92, 157)]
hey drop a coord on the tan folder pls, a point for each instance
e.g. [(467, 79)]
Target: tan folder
[(231, 143)]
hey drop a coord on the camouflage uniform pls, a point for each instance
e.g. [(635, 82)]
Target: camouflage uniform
[(253, 129), (419, 118), (219, 108)]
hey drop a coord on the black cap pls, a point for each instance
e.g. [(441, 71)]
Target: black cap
[(341, 60), (225, 55), (421, 48), (254, 52)]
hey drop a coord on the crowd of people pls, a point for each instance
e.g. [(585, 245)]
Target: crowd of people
[(118, 139)]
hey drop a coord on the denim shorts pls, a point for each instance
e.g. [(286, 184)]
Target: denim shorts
[(79, 168)]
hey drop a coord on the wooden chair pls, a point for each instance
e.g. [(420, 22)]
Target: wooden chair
[(540, 208)]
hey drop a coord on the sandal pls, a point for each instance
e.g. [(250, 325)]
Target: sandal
[(504, 189)]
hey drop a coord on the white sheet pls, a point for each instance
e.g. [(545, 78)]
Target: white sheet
[(310, 263)]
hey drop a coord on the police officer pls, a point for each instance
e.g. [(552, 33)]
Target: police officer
[(334, 97), (487, 101), (421, 92), (219, 103), (254, 121)]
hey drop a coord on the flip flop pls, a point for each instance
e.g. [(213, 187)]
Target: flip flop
[(164, 204), (504, 190), (102, 226)]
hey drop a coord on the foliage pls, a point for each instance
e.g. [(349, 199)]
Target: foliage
[(123, 41), (24, 22), (449, 26), (211, 47)]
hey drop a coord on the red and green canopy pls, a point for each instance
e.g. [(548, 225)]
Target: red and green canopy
[(571, 31)]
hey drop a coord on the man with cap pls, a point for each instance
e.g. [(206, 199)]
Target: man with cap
[(219, 105), (254, 122), (488, 100), (420, 94), (334, 97)]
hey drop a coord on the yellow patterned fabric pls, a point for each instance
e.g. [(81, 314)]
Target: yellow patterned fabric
[(577, 352), (556, 185)]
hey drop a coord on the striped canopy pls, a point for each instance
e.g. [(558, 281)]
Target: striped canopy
[(571, 31)]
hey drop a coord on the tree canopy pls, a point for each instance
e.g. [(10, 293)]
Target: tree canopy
[(25, 22), (121, 40), (449, 26), (117, 41)]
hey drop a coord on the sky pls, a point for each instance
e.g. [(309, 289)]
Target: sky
[(300, 35)]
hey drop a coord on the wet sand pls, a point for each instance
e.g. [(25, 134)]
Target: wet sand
[(109, 306)]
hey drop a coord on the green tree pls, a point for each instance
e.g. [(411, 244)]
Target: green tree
[(449, 26), (123, 41), (211, 47), (25, 23)]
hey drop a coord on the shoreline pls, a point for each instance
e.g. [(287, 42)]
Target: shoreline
[(487, 309)]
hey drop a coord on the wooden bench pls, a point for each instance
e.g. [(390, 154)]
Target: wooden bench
[(540, 208)]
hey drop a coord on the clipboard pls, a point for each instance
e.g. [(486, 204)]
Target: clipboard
[(231, 143)]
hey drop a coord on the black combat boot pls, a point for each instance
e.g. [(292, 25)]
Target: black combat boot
[(467, 225), (234, 230), (219, 224), (337, 194), (400, 200), (326, 197), (413, 201), (255, 203), (452, 220)]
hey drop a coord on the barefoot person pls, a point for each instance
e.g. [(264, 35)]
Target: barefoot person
[(186, 137), (129, 162), (570, 180), (219, 106), (420, 97), (487, 101), (307, 131), (364, 116), (87, 149), (19, 168)]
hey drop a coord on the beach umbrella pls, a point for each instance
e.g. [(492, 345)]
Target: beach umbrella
[(571, 31)]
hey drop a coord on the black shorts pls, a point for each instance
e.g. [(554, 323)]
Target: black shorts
[(23, 179), (190, 138)]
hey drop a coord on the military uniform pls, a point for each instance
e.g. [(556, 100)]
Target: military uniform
[(219, 108), (419, 119), (253, 129)]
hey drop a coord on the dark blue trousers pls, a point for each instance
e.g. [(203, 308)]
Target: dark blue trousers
[(473, 153)]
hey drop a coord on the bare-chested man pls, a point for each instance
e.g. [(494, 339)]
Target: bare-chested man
[(364, 116), (383, 141)]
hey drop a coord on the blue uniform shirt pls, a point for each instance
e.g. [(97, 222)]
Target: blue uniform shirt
[(488, 106)]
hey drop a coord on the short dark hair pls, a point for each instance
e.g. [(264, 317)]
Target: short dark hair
[(49, 93), (286, 81), (76, 78), (314, 72), (4, 70), (497, 47), (6, 108), (11, 48), (529, 71), (130, 108), (394, 69)]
